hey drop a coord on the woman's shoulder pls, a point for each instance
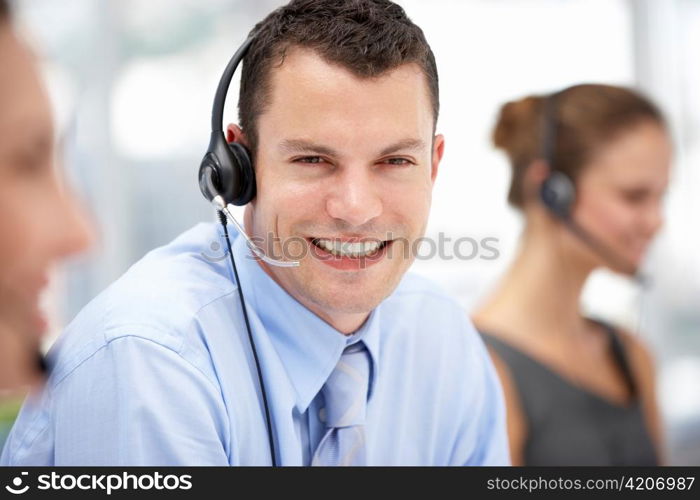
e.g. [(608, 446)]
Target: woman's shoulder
[(636, 350)]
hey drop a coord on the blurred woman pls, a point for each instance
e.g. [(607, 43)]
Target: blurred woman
[(590, 168), (39, 222)]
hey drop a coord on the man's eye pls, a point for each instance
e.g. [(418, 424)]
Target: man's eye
[(309, 159), (398, 161)]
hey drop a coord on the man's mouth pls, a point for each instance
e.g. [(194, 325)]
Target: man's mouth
[(350, 249)]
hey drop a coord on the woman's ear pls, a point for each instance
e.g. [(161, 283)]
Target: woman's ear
[(535, 173)]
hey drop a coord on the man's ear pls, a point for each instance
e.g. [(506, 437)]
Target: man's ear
[(438, 151), (234, 133)]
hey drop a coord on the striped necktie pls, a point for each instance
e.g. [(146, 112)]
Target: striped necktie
[(345, 396)]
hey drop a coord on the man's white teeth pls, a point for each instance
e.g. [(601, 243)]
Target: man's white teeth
[(349, 249)]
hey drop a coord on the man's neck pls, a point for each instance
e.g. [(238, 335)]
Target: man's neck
[(346, 323)]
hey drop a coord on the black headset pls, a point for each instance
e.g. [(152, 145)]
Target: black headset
[(227, 168), (227, 173), (557, 191)]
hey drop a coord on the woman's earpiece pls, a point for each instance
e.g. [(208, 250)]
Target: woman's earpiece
[(558, 194)]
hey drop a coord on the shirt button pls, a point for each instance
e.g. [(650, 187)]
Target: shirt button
[(322, 415)]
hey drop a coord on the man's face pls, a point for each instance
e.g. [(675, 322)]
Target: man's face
[(348, 165)]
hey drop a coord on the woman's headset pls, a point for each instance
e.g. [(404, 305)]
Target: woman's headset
[(558, 192)]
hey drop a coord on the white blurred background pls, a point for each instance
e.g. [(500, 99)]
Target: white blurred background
[(132, 82)]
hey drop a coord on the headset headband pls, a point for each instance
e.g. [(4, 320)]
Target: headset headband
[(217, 112)]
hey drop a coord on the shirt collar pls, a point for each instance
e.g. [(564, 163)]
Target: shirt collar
[(309, 347)]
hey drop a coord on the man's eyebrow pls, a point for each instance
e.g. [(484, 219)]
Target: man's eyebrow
[(290, 146), (303, 146), (415, 145)]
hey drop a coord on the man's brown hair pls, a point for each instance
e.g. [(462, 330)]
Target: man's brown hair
[(367, 37)]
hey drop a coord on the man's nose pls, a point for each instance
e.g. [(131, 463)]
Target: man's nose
[(355, 198)]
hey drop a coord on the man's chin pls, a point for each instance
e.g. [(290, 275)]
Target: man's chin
[(332, 291), (358, 306), (348, 296)]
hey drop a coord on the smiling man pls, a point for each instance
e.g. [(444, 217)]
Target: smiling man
[(361, 363), (343, 160)]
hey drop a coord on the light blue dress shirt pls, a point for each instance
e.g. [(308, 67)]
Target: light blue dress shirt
[(157, 370)]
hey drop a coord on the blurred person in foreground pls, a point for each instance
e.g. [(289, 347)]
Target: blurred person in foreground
[(39, 221), (362, 363), (579, 391)]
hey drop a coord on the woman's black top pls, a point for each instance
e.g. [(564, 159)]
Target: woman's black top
[(568, 425)]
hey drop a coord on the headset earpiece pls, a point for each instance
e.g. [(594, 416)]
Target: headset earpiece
[(227, 171), (558, 194), (242, 160)]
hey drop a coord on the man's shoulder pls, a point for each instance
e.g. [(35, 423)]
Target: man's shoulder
[(417, 290), (172, 282), (425, 328), (419, 308), (157, 299)]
